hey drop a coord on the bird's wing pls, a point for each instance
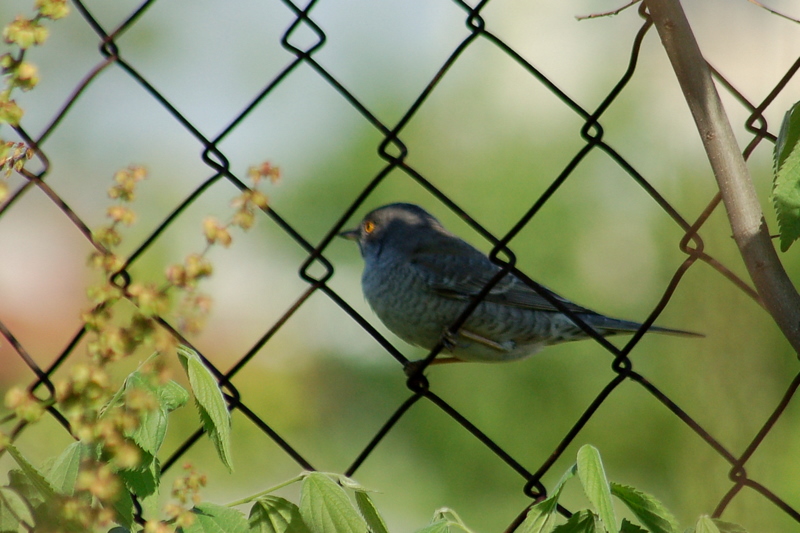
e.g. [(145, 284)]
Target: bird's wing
[(454, 269)]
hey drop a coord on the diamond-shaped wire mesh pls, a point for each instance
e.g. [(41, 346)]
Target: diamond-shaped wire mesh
[(565, 142)]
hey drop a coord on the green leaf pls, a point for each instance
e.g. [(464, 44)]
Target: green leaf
[(706, 525), (273, 514), (442, 526), (786, 198), (64, 471), (123, 508), (13, 509), (788, 136), (171, 396), (785, 195), (728, 527), (31, 473), (722, 526), (210, 403), (370, 513), (445, 513), (630, 527), (583, 521), (595, 485), (445, 520), (152, 429), (144, 480), (213, 518), (326, 508), (648, 510), (347, 482), (20, 483), (8, 521), (541, 517)]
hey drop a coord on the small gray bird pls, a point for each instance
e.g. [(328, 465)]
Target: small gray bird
[(418, 278)]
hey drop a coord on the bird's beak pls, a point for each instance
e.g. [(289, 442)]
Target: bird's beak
[(351, 235)]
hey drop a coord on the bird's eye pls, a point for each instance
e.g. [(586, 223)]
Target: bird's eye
[(369, 227)]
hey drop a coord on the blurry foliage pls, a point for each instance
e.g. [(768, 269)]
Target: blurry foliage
[(328, 396), (118, 435)]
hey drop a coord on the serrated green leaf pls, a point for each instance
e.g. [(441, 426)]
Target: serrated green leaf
[(722, 526), (445, 513), (647, 509), (123, 509), (569, 474), (172, 396), (728, 527), (40, 506), (152, 429), (630, 527), (325, 507), (788, 136), (786, 197), (595, 485), (213, 518), (370, 513), (13, 509), (144, 480), (442, 526), (273, 514), (64, 471), (584, 521), (210, 403), (706, 525), (8, 521), (18, 481), (541, 517), (347, 482), (220, 439), (445, 520), (31, 472)]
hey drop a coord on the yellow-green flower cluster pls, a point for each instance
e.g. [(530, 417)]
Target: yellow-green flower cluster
[(24, 33), (123, 318)]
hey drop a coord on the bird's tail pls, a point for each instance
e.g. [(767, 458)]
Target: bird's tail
[(612, 326)]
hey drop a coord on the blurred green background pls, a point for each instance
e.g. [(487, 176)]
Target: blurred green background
[(492, 138)]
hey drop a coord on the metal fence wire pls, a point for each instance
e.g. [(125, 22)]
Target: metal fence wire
[(317, 270)]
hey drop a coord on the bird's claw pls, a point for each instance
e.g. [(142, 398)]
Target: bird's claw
[(449, 340)]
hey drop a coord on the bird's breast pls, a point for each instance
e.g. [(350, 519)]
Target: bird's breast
[(402, 299)]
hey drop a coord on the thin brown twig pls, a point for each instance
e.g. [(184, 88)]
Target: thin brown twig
[(609, 13), (762, 6)]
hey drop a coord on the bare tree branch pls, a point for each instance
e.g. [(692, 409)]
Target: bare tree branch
[(738, 194)]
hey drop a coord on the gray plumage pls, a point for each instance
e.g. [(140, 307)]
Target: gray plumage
[(418, 278)]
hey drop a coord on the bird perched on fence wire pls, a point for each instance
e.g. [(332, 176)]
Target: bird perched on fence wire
[(418, 278)]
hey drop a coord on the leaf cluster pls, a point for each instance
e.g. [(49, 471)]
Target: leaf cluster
[(96, 480), (651, 514)]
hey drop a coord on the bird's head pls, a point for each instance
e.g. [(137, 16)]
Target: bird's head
[(396, 226)]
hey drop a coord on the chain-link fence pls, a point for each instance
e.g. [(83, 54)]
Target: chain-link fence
[(301, 52)]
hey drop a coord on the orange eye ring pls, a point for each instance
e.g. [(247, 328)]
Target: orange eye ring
[(369, 226)]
